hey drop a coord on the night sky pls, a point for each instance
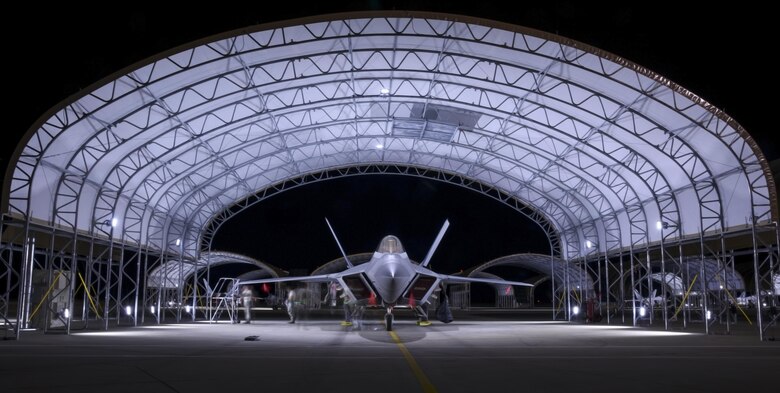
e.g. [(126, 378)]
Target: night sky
[(710, 51)]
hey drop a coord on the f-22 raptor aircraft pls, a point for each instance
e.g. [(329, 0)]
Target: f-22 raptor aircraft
[(390, 278)]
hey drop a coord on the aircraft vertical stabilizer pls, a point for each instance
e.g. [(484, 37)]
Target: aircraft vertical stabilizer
[(349, 264), (435, 243)]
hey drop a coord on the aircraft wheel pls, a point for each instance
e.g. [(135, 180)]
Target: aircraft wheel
[(389, 321)]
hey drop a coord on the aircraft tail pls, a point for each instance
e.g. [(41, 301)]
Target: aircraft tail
[(349, 264), (435, 243)]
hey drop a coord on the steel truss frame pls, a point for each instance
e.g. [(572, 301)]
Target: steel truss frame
[(710, 289), (171, 158)]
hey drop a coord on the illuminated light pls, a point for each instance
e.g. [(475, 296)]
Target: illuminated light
[(66, 313), (152, 309), (384, 91), (589, 244), (114, 222), (709, 315), (642, 311), (129, 310), (178, 241), (166, 327), (114, 334), (659, 225), (721, 287), (187, 308), (575, 310), (380, 146)]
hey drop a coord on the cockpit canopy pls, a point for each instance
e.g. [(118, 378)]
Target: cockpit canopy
[(390, 244)]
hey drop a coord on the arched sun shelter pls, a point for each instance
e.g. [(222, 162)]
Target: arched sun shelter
[(549, 268), (176, 279), (594, 148)]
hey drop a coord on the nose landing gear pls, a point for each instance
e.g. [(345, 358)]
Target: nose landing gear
[(389, 319)]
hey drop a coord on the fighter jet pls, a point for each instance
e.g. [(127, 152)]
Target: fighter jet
[(389, 279), (651, 301)]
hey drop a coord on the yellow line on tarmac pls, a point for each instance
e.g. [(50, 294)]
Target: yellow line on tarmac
[(424, 382)]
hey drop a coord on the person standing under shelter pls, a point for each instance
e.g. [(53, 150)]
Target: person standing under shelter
[(247, 296), (349, 308), (290, 303)]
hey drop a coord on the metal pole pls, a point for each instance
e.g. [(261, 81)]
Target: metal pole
[(650, 312), (633, 285), (180, 284), (663, 282), (86, 295), (622, 291), (137, 285), (72, 281), (49, 266), (208, 280), (145, 290), (685, 280), (120, 281), (108, 276), (606, 277), (552, 277), (601, 286), (194, 291), (724, 299), (704, 284), (759, 318), (566, 287), (23, 308)]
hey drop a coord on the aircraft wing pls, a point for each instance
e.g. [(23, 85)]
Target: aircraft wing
[(459, 279), (317, 278)]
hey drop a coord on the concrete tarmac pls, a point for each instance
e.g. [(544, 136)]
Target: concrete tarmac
[(475, 353)]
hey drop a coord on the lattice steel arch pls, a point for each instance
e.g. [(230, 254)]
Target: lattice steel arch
[(118, 148)]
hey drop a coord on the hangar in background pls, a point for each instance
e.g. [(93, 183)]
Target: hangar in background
[(628, 174)]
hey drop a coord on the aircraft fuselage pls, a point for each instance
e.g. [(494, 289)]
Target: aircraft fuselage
[(390, 274)]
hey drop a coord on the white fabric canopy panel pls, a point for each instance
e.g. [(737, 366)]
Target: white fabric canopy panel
[(600, 146)]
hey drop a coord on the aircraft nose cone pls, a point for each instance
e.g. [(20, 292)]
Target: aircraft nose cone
[(390, 279)]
